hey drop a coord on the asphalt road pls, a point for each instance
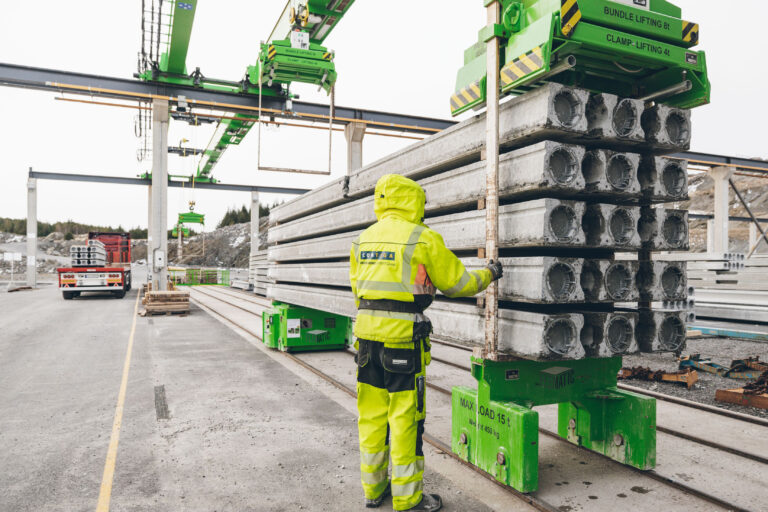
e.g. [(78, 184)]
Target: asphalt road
[(240, 433)]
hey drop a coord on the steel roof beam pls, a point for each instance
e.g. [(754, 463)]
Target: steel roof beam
[(729, 161), (119, 180), (131, 89)]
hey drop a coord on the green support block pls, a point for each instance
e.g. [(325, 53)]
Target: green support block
[(270, 332), (618, 424), (496, 428), (501, 438), (303, 329)]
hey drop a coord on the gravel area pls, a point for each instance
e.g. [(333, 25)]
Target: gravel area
[(720, 350)]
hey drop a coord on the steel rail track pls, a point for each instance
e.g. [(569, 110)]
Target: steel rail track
[(660, 396), (240, 295), (669, 431), (539, 504)]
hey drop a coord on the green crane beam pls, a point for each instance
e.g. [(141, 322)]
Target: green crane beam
[(174, 60), (322, 18), (229, 132)]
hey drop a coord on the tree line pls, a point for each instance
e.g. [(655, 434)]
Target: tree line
[(236, 215), (69, 228)]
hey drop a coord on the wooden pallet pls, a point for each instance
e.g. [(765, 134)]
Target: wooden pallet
[(180, 312), (737, 396), (165, 302)]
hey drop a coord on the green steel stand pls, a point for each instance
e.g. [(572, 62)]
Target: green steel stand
[(290, 328), (496, 429)]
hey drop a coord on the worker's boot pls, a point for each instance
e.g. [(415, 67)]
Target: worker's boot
[(429, 503), (376, 502)]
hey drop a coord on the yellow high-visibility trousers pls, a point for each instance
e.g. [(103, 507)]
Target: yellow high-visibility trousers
[(391, 401)]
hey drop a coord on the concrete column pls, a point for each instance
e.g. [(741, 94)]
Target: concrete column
[(721, 175), (32, 231), (254, 235), (157, 256), (149, 233), (711, 236), (354, 133)]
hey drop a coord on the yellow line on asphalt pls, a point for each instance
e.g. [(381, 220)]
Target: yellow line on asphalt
[(109, 466)]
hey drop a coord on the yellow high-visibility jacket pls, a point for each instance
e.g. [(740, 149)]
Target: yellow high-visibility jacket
[(400, 259)]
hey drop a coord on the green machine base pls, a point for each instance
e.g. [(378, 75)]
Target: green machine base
[(496, 429), (292, 328)]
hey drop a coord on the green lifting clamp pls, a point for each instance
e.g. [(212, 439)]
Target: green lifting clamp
[(496, 429)]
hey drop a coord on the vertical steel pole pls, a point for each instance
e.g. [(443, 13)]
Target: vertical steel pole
[(32, 231), (491, 348)]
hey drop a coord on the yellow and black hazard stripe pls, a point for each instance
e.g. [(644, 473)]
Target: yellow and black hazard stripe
[(272, 51), (469, 94), (690, 32), (522, 66), (570, 15), (327, 56)]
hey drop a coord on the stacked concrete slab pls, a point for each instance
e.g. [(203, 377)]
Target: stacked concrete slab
[(257, 272), (580, 180)]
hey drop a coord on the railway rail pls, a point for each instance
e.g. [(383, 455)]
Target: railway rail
[(230, 297)]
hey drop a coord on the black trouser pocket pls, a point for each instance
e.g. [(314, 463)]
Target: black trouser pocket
[(400, 360), (363, 352), (420, 383)]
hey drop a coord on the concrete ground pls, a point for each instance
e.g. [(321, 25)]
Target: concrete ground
[(243, 432)]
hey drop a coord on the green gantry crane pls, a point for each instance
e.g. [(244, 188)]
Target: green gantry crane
[(293, 53)]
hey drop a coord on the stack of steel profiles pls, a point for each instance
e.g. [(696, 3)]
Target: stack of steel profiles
[(257, 272), (91, 255), (577, 180)]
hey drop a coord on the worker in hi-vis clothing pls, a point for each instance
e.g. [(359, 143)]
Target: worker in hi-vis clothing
[(395, 266)]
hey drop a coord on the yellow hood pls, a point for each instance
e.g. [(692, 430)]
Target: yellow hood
[(399, 196)]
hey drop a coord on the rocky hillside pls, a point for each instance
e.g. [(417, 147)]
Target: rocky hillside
[(229, 247)]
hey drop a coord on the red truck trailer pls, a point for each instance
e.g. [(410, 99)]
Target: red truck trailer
[(104, 265)]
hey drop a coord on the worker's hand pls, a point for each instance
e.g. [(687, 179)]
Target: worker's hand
[(496, 270)]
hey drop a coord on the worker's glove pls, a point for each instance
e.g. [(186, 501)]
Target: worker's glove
[(496, 270)]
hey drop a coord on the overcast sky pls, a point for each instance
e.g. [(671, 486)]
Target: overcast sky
[(402, 58)]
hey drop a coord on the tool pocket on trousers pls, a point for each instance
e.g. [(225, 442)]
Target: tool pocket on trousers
[(420, 385), (363, 353), (399, 360)]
